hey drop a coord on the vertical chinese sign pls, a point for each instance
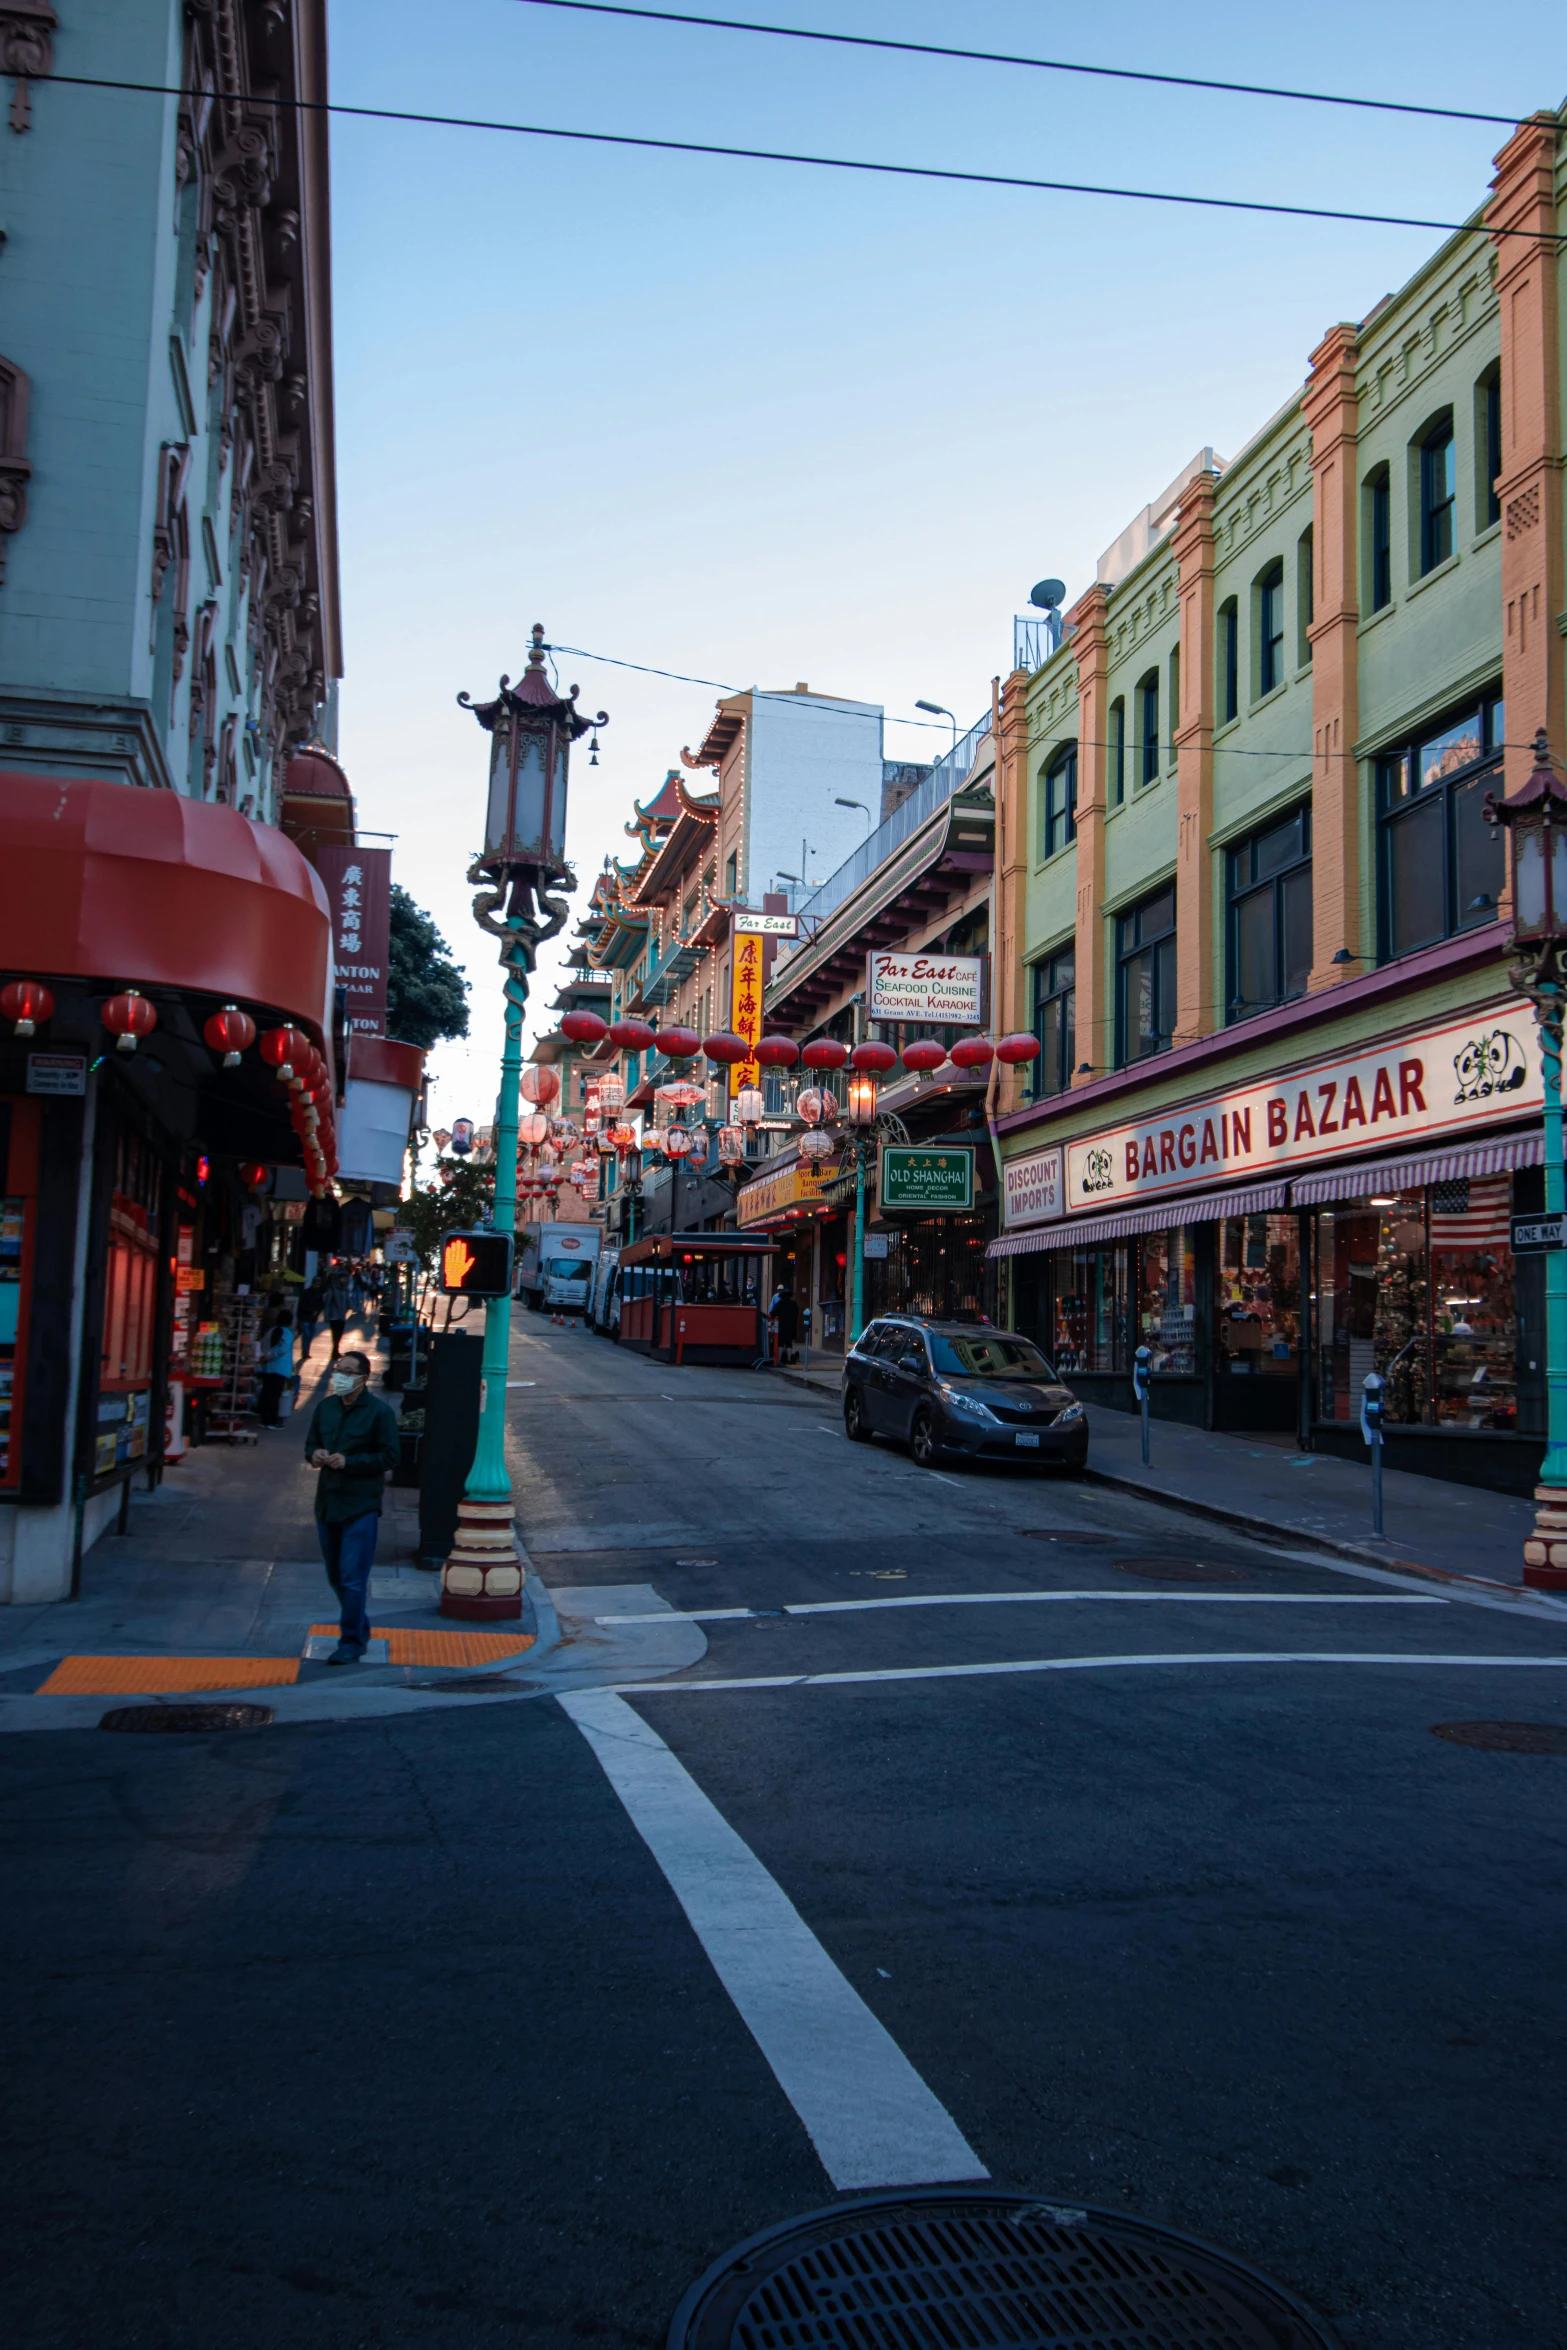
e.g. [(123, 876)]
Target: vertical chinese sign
[(746, 1007), (358, 885)]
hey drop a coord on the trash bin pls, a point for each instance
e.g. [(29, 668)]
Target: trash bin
[(452, 1367), (399, 1355)]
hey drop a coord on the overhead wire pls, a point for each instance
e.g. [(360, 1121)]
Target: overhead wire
[(1115, 73), (707, 147)]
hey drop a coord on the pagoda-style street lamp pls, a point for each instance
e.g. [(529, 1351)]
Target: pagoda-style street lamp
[(531, 729), (1535, 821), (867, 1063)]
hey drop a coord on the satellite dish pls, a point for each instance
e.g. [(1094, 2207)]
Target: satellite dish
[(1048, 594)]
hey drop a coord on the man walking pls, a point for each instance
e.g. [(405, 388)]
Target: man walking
[(353, 1441), (309, 1318), (334, 1306)]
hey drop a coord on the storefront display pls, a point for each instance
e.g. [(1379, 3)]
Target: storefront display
[(1167, 1301), (1257, 1298)]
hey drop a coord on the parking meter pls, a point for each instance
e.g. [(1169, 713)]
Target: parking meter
[(1141, 1365), (1371, 1410)]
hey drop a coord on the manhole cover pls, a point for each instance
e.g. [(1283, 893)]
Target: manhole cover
[(187, 1717), (937, 2269), (1505, 1737), (1164, 1570)]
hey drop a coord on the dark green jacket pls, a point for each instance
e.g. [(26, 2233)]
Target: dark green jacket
[(365, 1432)]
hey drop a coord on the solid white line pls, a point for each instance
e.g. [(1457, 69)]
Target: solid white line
[(870, 2117), (1080, 1664), (846, 1607)]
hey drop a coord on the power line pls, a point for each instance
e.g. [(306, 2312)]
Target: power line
[(678, 677), (918, 171), (1115, 73)]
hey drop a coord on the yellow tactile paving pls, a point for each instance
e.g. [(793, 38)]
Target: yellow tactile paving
[(405, 1647), (148, 1676)]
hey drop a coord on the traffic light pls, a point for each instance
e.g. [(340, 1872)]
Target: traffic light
[(476, 1264)]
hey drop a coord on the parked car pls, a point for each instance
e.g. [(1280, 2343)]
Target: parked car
[(961, 1387)]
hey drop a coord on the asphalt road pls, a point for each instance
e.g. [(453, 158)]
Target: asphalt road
[(399, 2033)]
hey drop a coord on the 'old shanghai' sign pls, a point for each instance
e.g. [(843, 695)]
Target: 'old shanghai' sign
[(1439, 1081)]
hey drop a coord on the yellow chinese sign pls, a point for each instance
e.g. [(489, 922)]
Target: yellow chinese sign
[(797, 1185), (746, 1007)]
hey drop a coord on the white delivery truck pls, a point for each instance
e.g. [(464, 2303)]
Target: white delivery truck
[(555, 1266)]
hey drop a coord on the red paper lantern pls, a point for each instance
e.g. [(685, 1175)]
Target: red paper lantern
[(584, 1028), (539, 1084), (230, 1032), (633, 1036), (1020, 1047), (253, 1175), (283, 1049), (973, 1052), (681, 1044), (128, 1016), (872, 1055), (825, 1053), (924, 1053), (777, 1052), (26, 1002), (727, 1049)]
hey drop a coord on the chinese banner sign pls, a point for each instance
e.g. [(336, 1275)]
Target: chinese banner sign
[(746, 1007), (358, 885)]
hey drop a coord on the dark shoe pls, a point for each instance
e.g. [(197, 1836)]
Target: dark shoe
[(343, 1654)]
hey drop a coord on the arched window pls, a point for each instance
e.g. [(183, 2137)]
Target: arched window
[(1117, 751), (1148, 728), (1229, 678), (1438, 492), (1060, 801), (1270, 629), (1488, 446), (1378, 526)]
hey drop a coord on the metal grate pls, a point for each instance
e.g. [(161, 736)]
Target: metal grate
[(187, 1717), (1168, 1570), (1505, 1737), (940, 2270)]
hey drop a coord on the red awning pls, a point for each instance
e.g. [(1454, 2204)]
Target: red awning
[(148, 889)]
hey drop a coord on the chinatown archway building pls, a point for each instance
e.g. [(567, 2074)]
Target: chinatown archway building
[(168, 640)]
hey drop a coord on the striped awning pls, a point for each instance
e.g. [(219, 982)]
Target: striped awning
[(1089, 1231), (1479, 1158)]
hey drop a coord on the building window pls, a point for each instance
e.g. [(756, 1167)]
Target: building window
[(1305, 596), (1442, 867), (1488, 439), (1379, 537), (1229, 661), (1269, 889), (1117, 752), (1055, 1021), (1059, 807), (731, 874), (1438, 489), (1270, 629), (1148, 728), (1145, 994)]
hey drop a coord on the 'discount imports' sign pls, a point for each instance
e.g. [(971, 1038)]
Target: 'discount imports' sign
[(939, 1180), (1438, 1081)]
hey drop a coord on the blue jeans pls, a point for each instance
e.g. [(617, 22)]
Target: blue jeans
[(348, 1550)]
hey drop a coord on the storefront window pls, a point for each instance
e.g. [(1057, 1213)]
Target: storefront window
[(1072, 1302), (1474, 1335), (1257, 1324), (1167, 1300), (1373, 1296)]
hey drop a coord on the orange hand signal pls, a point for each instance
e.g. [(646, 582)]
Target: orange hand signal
[(458, 1262)]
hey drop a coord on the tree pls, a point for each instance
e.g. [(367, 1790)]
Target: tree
[(456, 1202), (426, 993)]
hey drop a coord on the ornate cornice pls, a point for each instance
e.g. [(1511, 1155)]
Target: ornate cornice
[(27, 30)]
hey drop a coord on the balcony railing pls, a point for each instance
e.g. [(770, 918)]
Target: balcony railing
[(949, 774)]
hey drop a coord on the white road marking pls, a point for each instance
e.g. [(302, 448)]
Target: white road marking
[(850, 1607), (872, 2120), (1084, 1664)]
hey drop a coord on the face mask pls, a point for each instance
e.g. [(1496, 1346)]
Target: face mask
[(343, 1382)]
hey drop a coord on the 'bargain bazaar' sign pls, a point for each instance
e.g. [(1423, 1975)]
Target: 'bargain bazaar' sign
[(1439, 1081)]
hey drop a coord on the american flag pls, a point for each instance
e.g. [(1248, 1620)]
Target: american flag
[(1471, 1212)]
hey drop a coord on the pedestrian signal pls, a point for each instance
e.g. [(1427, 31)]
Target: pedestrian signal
[(476, 1264)]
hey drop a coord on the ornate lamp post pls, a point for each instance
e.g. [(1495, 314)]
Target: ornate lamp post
[(1535, 821), (867, 1062), (531, 730)]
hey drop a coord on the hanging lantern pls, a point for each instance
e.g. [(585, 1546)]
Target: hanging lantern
[(860, 1108), (874, 1056), (253, 1175), (676, 1141), (817, 1105), (973, 1052), (727, 1049), (548, 1154), (825, 1052), (681, 1044), (282, 1048), (815, 1145), (539, 1084), (777, 1052), (1014, 1050), (129, 1016), (924, 1053), (750, 1108), (25, 1002), (532, 1129), (612, 1094), (633, 1036), (441, 1137), (584, 1028), (606, 1144), (731, 1145), (563, 1130), (624, 1138)]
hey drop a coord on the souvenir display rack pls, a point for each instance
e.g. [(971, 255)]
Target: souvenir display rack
[(230, 1412)]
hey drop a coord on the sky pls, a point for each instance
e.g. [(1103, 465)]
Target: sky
[(756, 423)]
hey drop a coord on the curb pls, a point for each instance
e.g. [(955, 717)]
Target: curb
[(1360, 1554)]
